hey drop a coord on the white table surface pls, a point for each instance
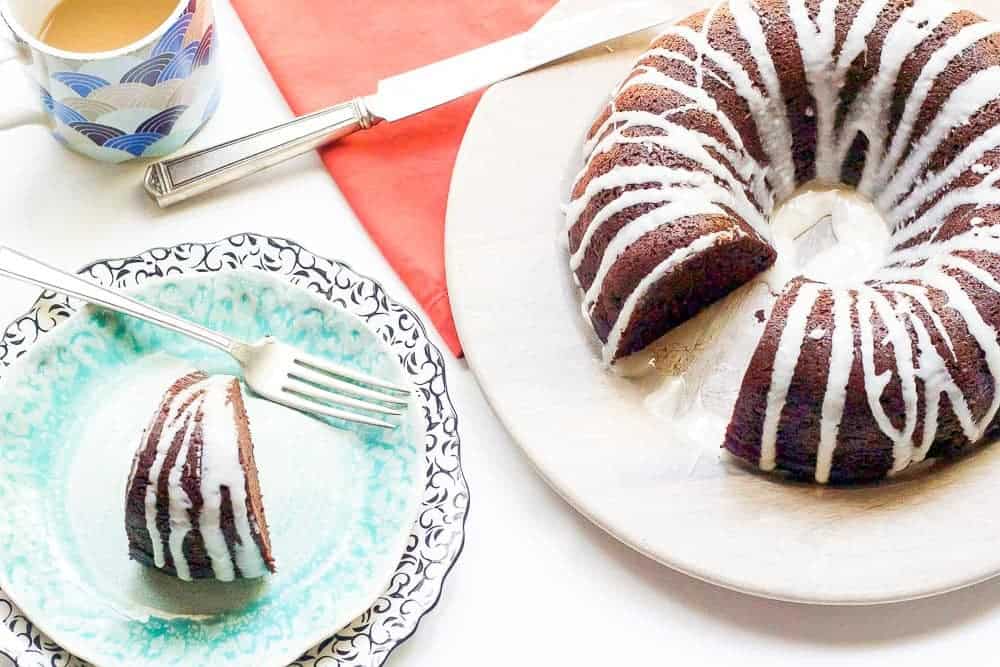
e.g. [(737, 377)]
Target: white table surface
[(536, 584)]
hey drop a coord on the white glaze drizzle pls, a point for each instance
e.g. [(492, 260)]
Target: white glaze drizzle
[(219, 466), (962, 40), (786, 358), (180, 519), (984, 335), (870, 114), (817, 41), (875, 384), (935, 182), (770, 114), (172, 424), (835, 397), (902, 188), (971, 96)]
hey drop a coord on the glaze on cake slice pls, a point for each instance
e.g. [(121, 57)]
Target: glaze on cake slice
[(193, 505)]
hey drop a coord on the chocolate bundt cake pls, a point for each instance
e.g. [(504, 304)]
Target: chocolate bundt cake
[(723, 118), (193, 505)]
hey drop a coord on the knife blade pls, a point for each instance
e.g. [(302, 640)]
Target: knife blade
[(178, 178), (426, 87)]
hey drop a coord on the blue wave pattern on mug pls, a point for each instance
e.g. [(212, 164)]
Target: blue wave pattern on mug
[(126, 108), (82, 84)]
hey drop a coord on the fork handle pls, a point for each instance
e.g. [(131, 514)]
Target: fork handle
[(176, 179), (14, 264)]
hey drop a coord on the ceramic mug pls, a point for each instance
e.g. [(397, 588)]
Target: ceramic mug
[(143, 100)]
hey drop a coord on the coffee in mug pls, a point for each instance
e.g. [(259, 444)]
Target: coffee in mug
[(90, 26), (115, 80)]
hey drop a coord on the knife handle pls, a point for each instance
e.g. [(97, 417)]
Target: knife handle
[(178, 178)]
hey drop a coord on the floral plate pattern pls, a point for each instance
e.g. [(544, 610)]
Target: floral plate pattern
[(436, 537)]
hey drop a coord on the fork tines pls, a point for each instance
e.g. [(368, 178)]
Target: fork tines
[(349, 374), (320, 386)]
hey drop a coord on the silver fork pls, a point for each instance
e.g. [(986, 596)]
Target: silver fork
[(274, 370)]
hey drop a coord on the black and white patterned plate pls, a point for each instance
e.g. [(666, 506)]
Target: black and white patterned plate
[(437, 536)]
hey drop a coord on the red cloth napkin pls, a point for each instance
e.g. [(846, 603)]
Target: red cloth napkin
[(396, 176)]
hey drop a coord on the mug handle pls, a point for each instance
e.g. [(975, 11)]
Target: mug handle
[(16, 117)]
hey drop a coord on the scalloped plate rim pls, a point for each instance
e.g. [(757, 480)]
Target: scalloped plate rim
[(287, 657)]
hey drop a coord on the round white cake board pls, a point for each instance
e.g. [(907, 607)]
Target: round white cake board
[(592, 435)]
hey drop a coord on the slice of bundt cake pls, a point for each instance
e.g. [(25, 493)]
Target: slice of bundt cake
[(193, 505)]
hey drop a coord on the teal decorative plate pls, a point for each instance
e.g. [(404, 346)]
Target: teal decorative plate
[(354, 511)]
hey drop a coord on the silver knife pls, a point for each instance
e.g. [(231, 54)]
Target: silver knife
[(176, 179)]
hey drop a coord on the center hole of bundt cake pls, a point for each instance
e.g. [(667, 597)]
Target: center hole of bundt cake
[(829, 234)]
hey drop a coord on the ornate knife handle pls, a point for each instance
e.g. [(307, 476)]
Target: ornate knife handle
[(178, 178)]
